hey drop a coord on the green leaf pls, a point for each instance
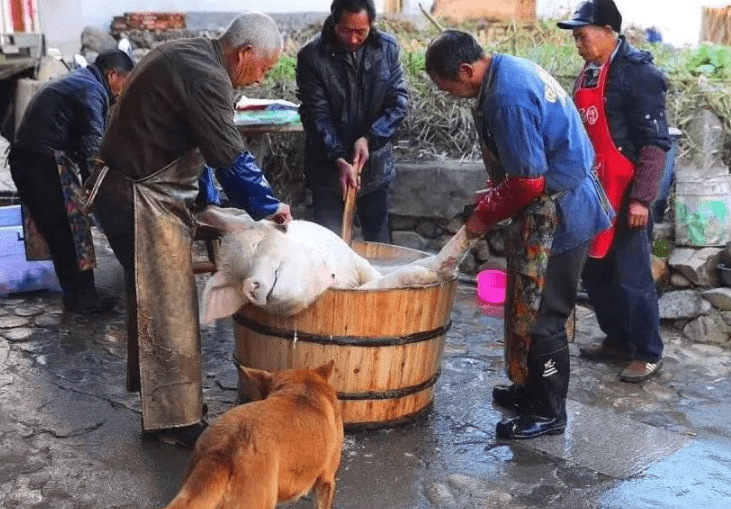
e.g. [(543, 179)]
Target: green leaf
[(706, 69), (723, 57)]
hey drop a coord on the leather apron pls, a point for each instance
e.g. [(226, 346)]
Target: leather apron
[(614, 170), (529, 238), (163, 289)]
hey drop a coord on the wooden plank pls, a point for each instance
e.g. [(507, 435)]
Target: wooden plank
[(716, 25)]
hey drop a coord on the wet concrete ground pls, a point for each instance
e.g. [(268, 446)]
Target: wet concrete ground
[(70, 433)]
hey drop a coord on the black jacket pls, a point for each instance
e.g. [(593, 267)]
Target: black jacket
[(339, 104), (635, 101), (68, 114)]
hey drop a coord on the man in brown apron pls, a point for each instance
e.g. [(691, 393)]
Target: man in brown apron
[(539, 160), (621, 96), (53, 152), (175, 115)]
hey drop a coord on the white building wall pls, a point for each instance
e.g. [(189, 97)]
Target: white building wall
[(62, 23), (5, 21)]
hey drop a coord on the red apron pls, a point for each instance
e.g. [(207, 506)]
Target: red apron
[(614, 170)]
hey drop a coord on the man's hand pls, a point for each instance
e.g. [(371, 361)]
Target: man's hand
[(348, 177), (475, 227), (637, 215), (350, 172), (360, 152), (282, 216)]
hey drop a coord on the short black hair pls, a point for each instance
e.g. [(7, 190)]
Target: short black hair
[(114, 60), (449, 50), (338, 7)]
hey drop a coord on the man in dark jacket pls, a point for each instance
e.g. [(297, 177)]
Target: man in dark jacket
[(52, 153), (353, 93), (621, 96)]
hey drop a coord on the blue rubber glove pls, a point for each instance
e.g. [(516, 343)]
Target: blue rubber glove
[(247, 188), (207, 192)]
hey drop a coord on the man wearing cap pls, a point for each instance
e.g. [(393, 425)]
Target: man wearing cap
[(621, 97)]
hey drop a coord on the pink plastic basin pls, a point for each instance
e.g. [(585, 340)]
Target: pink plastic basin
[(491, 286)]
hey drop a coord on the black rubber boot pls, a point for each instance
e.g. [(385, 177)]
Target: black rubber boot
[(512, 397), (81, 295), (548, 385)]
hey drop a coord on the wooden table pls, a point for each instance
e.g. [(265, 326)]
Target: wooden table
[(257, 129), (259, 144)]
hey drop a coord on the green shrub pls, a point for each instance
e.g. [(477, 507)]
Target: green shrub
[(711, 61)]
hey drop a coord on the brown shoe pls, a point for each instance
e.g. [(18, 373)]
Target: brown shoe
[(638, 371), (604, 351)]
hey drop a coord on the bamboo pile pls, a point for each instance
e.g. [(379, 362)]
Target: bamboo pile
[(716, 25)]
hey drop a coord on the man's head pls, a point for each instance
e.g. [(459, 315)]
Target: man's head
[(353, 21), (595, 24), (455, 61), (116, 66), (252, 45)]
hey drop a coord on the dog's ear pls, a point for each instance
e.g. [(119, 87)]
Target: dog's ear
[(261, 378), (326, 370)]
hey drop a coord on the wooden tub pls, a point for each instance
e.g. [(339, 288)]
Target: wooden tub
[(387, 344)]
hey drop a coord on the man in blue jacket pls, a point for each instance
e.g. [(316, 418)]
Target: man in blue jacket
[(539, 161), (621, 96), (353, 92), (53, 152)]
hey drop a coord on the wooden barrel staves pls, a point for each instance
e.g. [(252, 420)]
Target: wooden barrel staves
[(387, 344)]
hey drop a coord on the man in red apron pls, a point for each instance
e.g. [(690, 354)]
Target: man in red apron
[(539, 160), (621, 97), (175, 115)]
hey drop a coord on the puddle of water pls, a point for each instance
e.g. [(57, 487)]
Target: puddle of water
[(697, 476)]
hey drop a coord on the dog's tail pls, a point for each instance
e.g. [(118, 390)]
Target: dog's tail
[(204, 486)]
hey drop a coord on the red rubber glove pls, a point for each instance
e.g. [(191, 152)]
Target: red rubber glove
[(503, 201)]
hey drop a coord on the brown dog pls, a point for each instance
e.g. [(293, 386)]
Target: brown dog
[(269, 451)]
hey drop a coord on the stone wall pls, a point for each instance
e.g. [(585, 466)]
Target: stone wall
[(426, 209)]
